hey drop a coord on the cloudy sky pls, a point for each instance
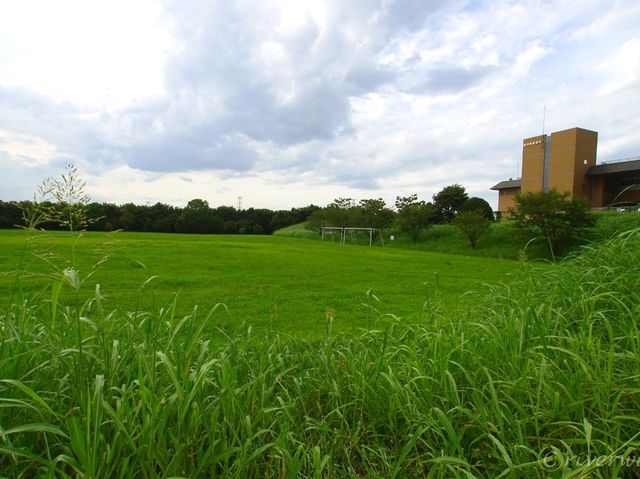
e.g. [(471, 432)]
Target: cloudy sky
[(291, 102)]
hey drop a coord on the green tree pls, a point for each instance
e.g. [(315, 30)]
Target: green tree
[(478, 204), (340, 212), (164, 217), (198, 217), (316, 221), (552, 215), (128, 219), (473, 224), (10, 214), (448, 202), (103, 216), (230, 227), (373, 213), (414, 216), (227, 213), (282, 219), (259, 217)]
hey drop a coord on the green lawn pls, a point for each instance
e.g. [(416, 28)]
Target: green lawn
[(500, 241), (539, 378), (270, 282)]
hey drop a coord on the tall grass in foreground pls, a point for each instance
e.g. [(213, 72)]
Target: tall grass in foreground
[(542, 380)]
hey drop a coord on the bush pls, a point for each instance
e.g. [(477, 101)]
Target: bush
[(553, 216), (414, 216), (473, 224)]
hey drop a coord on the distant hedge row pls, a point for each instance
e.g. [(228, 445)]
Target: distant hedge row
[(196, 217)]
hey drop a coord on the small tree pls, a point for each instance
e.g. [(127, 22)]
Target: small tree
[(473, 224), (552, 215), (316, 221), (414, 216), (340, 212), (449, 200), (198, 217), (373, 213)]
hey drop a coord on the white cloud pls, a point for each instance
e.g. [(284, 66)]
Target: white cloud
[(31, 151), (622, 68), (288, 102), (91, 53)]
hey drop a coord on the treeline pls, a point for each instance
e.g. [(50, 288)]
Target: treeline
[(410, 215), (196, 217)]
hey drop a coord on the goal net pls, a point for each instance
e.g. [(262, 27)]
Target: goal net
[(352, 235)]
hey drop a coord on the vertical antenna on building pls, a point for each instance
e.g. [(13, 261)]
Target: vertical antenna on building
[(544, 137), (239, 203), (519, 172)]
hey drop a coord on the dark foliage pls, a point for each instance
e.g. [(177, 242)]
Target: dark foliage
[(448, 202), (344, 212), (196, 217), (479, 205)]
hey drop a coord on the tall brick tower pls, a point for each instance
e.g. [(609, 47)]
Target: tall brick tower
[(559, 161)]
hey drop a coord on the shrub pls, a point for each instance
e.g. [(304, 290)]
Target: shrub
[(552, 215), (414, 216), (473, 224)]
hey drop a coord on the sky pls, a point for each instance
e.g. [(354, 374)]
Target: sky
[(286, 103)]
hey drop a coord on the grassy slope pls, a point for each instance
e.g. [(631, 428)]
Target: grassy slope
[(269, 282), (501, 241), (296, 231)]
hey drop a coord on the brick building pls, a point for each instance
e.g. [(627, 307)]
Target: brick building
[(566, 160)]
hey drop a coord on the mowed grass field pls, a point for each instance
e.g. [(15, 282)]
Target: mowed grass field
[(269, 282)]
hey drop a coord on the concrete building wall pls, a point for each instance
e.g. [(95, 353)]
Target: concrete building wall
[(566, 160)]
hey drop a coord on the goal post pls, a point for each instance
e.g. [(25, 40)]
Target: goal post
[(328, 231), (352, 232)]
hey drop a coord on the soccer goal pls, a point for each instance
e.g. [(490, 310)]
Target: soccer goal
[(351, 234)]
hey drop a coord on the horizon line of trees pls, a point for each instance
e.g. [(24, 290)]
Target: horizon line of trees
[(409, 215), (196, 217)]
